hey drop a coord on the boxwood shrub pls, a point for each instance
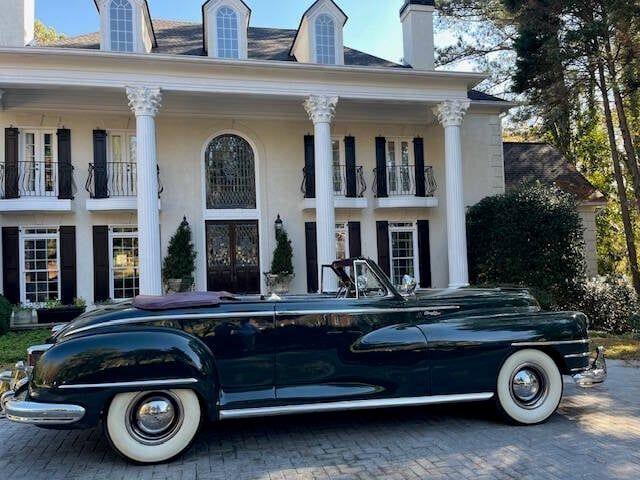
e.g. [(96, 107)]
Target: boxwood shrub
[(5, 315)]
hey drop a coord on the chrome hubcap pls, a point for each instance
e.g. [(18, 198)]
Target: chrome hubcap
[(529, 386), (154, 418)]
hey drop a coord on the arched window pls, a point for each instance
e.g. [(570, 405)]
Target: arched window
[(325, 40), (230, 173), (227, 21), (121, 27)]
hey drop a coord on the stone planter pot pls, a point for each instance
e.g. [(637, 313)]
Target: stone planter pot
[(179, 285), (59, 315), (278, 284), (23, 318)]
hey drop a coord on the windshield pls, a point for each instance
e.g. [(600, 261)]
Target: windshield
[(355, 279)]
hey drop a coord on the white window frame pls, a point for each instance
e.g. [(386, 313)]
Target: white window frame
[(343, 162), (127, 135), (397, 141), (221, 51), (22, 237), (113, 235), (412, 227), (38, 136), (343, 227), (316, 34), (133, 7)]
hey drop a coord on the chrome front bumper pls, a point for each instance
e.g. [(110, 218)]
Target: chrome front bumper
[(595, 374)]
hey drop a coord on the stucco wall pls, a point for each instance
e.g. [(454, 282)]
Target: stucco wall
[(280, 159)]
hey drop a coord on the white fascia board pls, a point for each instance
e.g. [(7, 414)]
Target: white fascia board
[(93, 68)]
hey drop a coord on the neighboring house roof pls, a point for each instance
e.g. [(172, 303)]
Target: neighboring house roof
[(540, 161), (186, 38)]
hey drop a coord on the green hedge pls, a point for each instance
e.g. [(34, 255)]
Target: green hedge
[(5, 315)]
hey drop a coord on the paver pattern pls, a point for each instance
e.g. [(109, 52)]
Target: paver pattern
[(596, 435)]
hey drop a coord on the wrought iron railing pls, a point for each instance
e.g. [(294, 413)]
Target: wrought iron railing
[(32, 178), (115, 179), (340, 181), (401, 181)]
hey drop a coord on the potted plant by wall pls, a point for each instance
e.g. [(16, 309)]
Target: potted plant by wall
[(281, 274), (53, 311), (179, 264), (23, 316)]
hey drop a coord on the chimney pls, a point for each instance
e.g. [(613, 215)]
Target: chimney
[(417, 27), (17, 18)]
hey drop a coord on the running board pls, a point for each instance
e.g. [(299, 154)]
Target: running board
[(352, 405)]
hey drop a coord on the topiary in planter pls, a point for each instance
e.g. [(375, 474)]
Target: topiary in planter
[(5, 315), (281, 274), (179, 264)]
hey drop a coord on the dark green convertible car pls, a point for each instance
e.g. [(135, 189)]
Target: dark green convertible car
[(152, 371)]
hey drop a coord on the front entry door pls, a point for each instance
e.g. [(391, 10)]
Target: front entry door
[(233, 256)]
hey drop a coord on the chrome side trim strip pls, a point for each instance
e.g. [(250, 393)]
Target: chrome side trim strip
[(351, 405), (578, 355), (361, 311), (558, 342), (147, 383)]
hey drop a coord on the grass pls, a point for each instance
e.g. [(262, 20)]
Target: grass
[(617, 347), (13, 345)]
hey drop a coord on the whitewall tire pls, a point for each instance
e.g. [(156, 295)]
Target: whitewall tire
[(529, 387), (153, 427)]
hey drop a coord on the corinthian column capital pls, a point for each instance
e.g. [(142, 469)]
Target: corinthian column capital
[(321, 109), (144, 100), (451, 112)]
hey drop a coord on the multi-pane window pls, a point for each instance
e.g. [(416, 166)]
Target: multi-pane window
[(325, 40), (342, 241), (125, 274), (337, 170), (121, 25), (404, 251), (121, 164), (227, 20), (38, 173), (40, 267), (399, 168)]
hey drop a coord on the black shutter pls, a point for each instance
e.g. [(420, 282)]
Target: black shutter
[(10, 267), (309, 167), (384, 255), (100, 263), (65, 167), (350, 159), (100, 164), (418, 152), (381, 167), (312, 256), (11, 155), (424, 254), (355, 241), (68, 271)]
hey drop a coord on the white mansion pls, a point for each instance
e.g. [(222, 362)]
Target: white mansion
[(111, 138)]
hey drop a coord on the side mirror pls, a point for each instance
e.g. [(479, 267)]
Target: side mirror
[(409, 285)]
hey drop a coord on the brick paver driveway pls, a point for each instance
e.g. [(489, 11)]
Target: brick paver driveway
[(596, 435)]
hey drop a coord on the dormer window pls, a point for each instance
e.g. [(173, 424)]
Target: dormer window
[(121, 26), (227, 21), (320, 36), (225, 28), (325, 40)]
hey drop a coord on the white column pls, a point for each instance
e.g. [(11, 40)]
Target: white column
[(450, 114), (145, 102), (321, 110)]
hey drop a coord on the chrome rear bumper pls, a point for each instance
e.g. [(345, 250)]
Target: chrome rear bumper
[(595, 374), (36, 413)]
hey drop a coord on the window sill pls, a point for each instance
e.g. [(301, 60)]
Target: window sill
[(406, 201), (339, 202), (35, 204), (116, 204)]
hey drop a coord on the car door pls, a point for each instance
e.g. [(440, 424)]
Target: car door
[(340, 349)]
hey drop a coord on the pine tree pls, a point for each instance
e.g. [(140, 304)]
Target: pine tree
[(180, 260), (282, 263)]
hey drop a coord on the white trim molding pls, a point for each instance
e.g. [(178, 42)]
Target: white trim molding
[(406, 201), (35, 204)]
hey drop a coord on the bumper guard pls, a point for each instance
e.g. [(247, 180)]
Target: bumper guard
[(595, 374)]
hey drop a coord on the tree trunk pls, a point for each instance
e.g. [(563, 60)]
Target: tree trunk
[(622, 193)]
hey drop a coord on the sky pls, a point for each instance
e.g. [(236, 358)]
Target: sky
[(374, 25)]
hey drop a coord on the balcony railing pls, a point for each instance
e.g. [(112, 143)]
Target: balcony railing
[(34, 179), (115, 179), (401, 181), (340, 182)]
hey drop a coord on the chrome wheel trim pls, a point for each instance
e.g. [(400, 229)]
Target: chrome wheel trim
[(529, 386), (154, 417)]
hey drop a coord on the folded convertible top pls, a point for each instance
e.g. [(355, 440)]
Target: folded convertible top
[(182, 300)]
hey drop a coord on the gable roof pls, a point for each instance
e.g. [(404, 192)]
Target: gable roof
[(540, 161)]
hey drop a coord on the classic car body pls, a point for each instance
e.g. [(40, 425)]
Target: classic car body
[(366, 346)]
